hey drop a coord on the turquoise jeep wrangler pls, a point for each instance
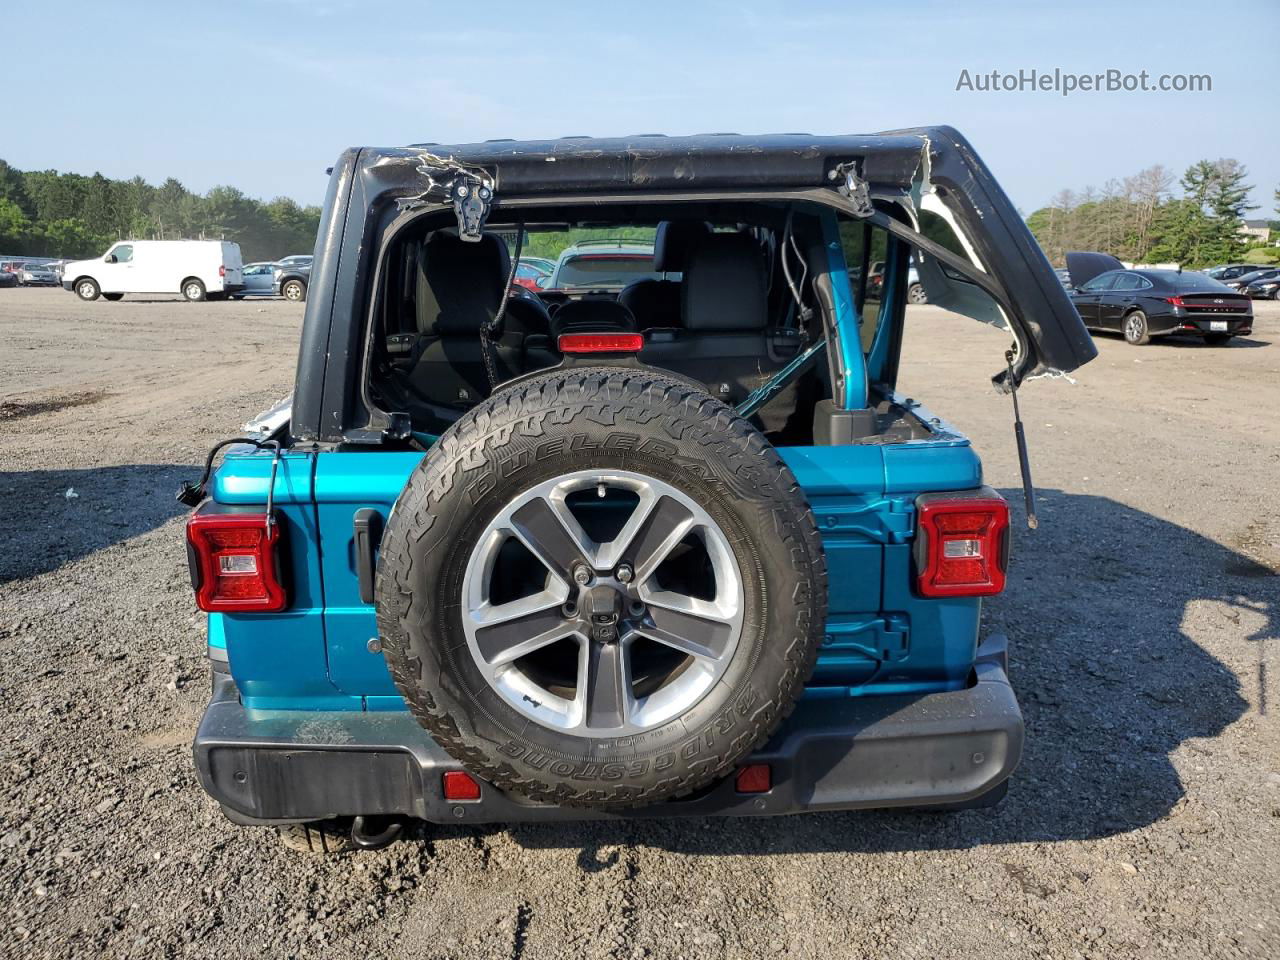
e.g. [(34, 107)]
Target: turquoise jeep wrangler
[(669, 546)]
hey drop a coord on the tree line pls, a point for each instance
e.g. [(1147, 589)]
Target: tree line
[(1144, 219), (44, 213)]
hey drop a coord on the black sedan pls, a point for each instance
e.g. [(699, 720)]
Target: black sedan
[(1265, 287), (1142, 304), (1230, 271), (1253, 276)]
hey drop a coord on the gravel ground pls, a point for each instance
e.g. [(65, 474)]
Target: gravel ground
[(1144, 820)]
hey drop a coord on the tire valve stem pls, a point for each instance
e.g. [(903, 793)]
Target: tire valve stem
[(1024, 463)]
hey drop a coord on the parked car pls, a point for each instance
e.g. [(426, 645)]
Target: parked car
[(603, 265), (296, 260), (492, 564), (1253, 276), (915, 289), (1265, 287), (1230, 271), (259, 280), (539, 263), (1142, 304), (8, 278), (196, 269), (37, 275), (290, 279), (532, 276)]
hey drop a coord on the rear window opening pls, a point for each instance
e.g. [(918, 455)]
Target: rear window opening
[(726, 294)]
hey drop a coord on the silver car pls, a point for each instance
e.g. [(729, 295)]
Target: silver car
[(258, 280), (37, 275)]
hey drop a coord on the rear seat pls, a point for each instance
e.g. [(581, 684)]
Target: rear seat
[(725, 342), (653, 302)]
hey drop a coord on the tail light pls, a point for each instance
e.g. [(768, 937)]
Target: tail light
[(234, 562), (962, 544), (1176, 301), (222, 270), (755, 778), (600, 342), (460, 785)]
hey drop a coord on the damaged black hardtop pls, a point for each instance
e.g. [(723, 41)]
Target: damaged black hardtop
[(886, 179)]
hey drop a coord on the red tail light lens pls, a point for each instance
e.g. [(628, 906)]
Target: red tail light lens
[(962, 545), (222, 270), (600, 342), (1176, 301), (234, 567), (756, 778), (460, 785)]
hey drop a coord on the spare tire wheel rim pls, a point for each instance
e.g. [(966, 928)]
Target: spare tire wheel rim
[(618, 640)]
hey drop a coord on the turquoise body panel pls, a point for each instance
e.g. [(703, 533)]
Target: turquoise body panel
[(279, 660), (344, 483), (880, 637)]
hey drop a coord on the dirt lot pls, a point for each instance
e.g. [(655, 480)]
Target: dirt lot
[(1144, 821)]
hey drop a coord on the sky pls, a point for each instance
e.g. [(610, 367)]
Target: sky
[(264, 95)]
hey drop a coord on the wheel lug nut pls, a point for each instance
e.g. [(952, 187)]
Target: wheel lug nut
[(625, 573), (581, 575)]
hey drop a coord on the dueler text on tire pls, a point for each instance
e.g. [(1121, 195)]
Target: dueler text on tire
[(601, 588)]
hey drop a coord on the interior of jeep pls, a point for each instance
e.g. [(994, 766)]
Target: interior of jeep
[(740, 298)]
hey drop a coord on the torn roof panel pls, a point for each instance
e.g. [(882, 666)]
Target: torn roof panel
[(712, 160)]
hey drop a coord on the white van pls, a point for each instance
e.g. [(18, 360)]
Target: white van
[(197, 269)]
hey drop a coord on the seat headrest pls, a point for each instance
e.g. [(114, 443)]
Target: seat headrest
[(592, 316), (466, 281), (725, 284), (674, 240)]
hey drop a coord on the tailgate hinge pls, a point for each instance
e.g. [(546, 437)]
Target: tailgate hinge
[(468, 188), (854, 187), (883, 520), (878, 638)]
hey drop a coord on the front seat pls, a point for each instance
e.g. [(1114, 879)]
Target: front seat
[(458, 290), (653, 302)]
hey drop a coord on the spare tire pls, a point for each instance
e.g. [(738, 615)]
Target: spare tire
[(601, 588)]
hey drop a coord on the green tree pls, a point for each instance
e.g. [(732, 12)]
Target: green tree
[(69, 238), (13, 189), (1218, 195), (14, 225)]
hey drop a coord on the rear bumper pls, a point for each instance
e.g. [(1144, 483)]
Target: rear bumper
[(859, 752), (1198, 323)]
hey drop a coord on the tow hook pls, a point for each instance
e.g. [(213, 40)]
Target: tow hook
[(363, 838)]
